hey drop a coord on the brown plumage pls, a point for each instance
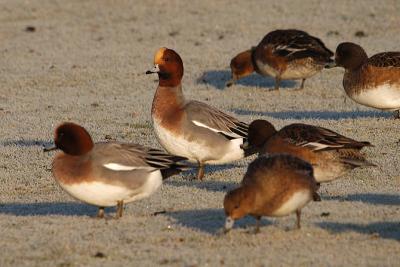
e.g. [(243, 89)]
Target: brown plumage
[(241, 66), (290, 54), (272, 186), (374, 81), (330, 153)]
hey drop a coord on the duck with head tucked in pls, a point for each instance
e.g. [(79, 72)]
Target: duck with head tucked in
[(331, 154)]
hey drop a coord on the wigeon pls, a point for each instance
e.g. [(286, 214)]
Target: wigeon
[(372, 82), (108, 174), (290, 55), (272, 186), (331, 154), (189, 128)]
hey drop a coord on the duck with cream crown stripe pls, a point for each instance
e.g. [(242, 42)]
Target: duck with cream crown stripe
[(372, 82), (272, 186), (331, 154), (284, 55), (188, 128), (108, 174)]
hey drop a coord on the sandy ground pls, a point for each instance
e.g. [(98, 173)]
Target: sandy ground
[(85, 62)]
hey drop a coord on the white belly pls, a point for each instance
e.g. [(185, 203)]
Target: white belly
[(297, 201), (197, 150), (386, 97), (266, 69), (106, 195)]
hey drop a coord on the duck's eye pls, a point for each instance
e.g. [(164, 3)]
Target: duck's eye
[(236, 207)]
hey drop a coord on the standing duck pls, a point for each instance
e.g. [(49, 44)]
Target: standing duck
[(272, 186), (372, 82), (108, 174), (290, 55), (189, 128)]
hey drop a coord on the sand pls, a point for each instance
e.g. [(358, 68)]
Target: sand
[(84, 61)]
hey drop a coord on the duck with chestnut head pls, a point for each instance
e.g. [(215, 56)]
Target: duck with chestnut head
[(370, 81), (108, 174), (190, 128)]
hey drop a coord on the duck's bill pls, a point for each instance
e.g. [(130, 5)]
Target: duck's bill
[(229, 222), (245, 145), (155, 69), (331, 65), (230, 83), (49, 148)]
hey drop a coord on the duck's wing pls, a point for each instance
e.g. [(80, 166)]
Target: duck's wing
[(295, 44), (203, 115), (385, 60), (124, 157), (317, 138)]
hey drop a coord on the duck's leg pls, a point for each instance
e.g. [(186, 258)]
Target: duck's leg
[(277, 82), (298, 214), (120, 208), (200, 171), (100, 213), (397, 114), (257, 226), (302, 84)]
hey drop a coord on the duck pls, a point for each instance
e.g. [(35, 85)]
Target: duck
[(107, 174), (370, 81), (190, 128), (290, 54), (331, 154), (275, 186)]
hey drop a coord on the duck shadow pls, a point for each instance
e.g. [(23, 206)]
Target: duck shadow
[(387, 230), (213, 186), (210, 221), (375, 199), (27, 143), (218, 79), (320, 114), (49, 208)]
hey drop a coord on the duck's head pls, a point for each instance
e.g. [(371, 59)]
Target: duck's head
[(72, 139), (169, 67), (349, 56), (259, 132), (237, 204), (241, 66)]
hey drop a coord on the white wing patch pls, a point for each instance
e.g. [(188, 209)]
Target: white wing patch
[(216, 130), (120, 167), (318, 146)]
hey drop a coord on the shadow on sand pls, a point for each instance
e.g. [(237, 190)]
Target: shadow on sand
[(213, 186), (210, 220), (218, 79), (375, 199), (26, 143), (320, 114), (49, 208), (387, 230)]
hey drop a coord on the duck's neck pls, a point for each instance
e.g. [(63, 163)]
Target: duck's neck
[(167, 101), (253, 60)]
